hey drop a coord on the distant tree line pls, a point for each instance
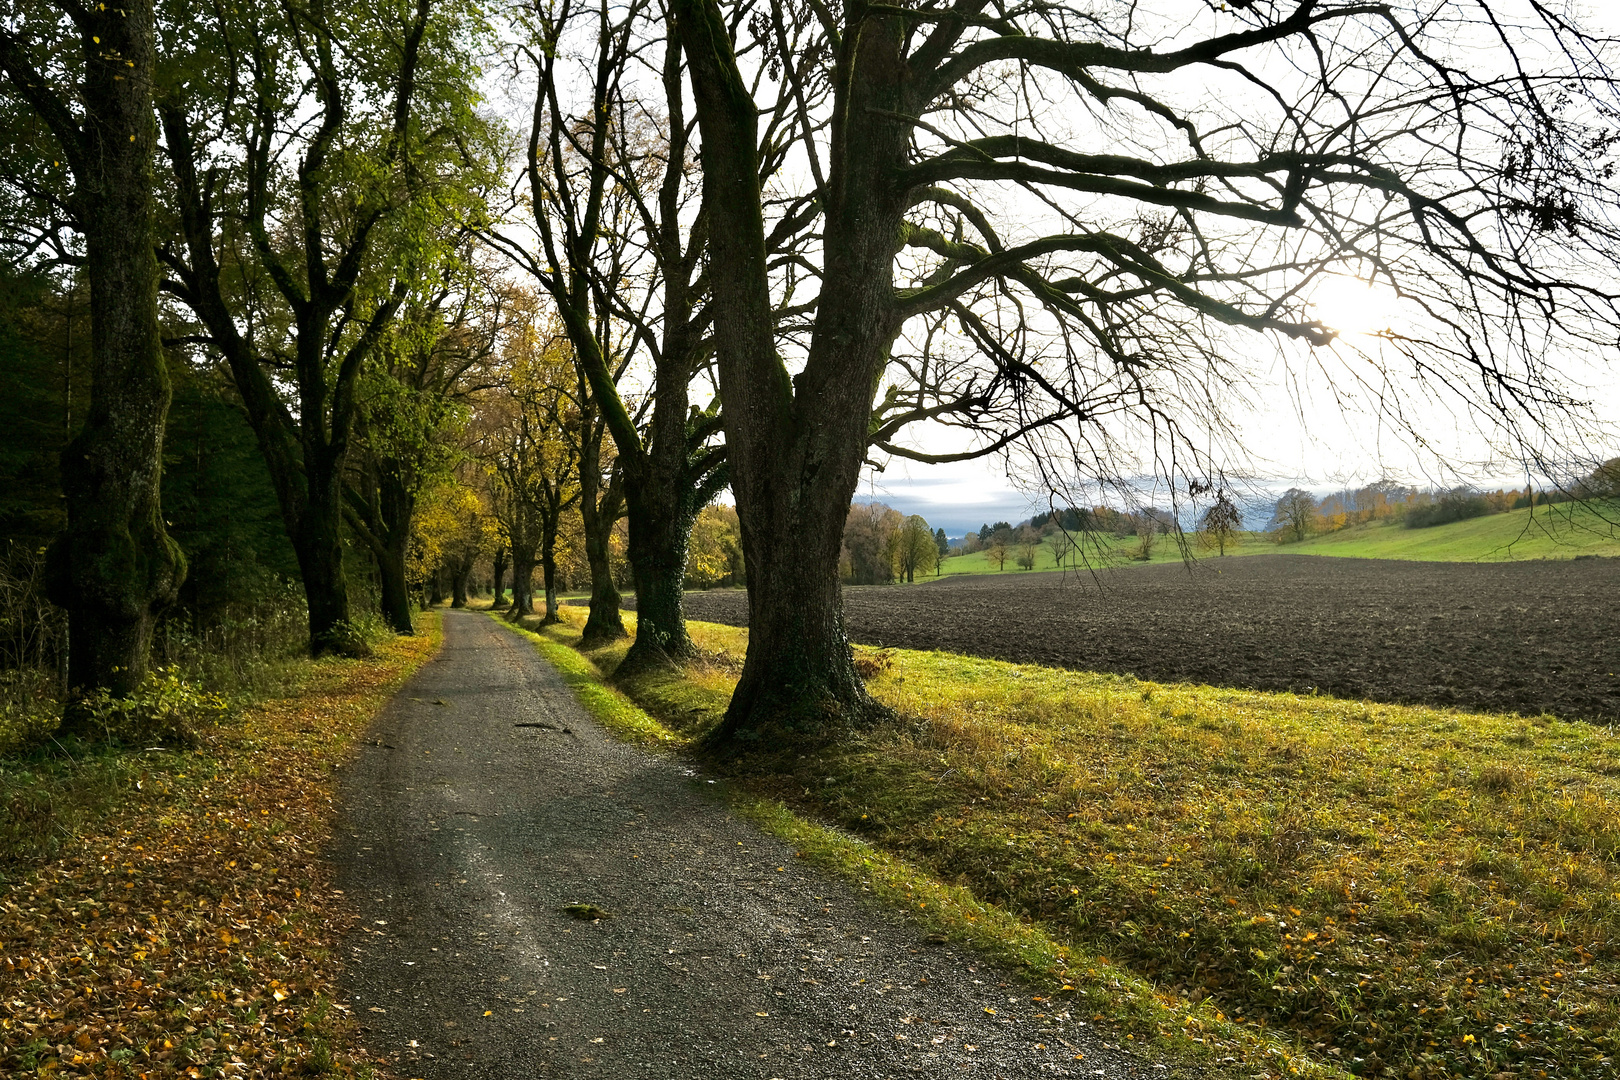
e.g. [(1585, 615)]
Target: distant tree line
[(1298, 513)]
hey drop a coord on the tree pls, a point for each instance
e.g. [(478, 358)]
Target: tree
[(942, 548), (1294, 516), (996, 551), (1602, 482), (1028, 540), (870, 543), (714, 556), (1219, 526), (413, 409), (915, 549), (85, 72), (532, 463), (1239, 161), (321, 169), (620, 252), (1061, 541)]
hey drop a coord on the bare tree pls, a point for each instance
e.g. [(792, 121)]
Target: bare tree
[(1049, 222), (618, 245)]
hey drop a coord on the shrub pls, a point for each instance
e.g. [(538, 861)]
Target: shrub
[(165, 708), (1457, 505)]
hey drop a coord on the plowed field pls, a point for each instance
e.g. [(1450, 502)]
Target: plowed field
[(1530, 637)]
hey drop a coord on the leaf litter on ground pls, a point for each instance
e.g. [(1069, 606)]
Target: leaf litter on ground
[(192, 931)]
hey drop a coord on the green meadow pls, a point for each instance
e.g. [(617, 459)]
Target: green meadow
[(1563, 531)]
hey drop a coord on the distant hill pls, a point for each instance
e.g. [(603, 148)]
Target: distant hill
[(1563, 531)]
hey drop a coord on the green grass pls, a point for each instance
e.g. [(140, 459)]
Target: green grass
[(1564, 531), (1298, 882)]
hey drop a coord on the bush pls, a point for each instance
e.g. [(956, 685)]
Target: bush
[(165, 708), (1458, 505)]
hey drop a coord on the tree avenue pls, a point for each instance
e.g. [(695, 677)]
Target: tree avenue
[(1051, 222), (85, 73), (319, 168)]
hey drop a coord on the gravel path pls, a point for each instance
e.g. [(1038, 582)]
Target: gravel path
[(486, 801)]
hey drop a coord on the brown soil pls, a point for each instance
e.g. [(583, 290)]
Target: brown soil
[(1529, 637)]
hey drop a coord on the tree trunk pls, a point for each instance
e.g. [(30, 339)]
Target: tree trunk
[(548, 572), (396, 592), (604, 624), (114, 567), (660, 532), (522, 583), (396, 505), (459, 573), (600, 511), (498, 593), (799, 673), (317, 540), (795, 443)]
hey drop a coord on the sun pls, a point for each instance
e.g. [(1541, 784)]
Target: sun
[(1352, 306)]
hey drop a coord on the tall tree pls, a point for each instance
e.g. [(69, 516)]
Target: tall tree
[(86, 74), (1294, 516), (621, 246), (532, 459), (1232, 163), (915, 548), (413, 405), (321, 166)]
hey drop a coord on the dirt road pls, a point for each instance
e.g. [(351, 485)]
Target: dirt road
[(487, 802)]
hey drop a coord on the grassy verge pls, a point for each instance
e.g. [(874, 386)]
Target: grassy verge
[(1296, 882), (185, 921), (674, 710)]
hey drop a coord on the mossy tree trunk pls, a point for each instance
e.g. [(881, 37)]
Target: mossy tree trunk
[(114, 568)]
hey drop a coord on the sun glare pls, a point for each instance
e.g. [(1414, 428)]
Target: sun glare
[(1352, 306)]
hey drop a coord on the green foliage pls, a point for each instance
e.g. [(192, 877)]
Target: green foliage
[(165, 708), (42, 325), (220, 505), (1459, 504), (714, 555)]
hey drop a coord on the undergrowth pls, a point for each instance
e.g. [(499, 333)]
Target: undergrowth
[(1394, 891)]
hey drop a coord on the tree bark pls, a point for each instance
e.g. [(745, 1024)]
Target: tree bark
[(498, 593), (459, 573), (548, 575), (397, 506), (380, 513), (795, 445), (522, 583), (113, 568), (600, 512), (661, 509), (317, 539)]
